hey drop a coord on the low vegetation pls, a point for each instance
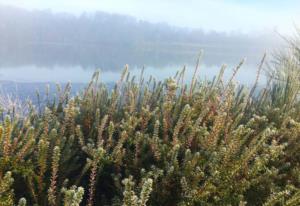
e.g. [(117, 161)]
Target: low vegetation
[(158, 143)]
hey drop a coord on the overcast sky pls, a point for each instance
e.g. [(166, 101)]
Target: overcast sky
[(220, 15)]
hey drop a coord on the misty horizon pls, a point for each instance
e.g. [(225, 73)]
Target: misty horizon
[(36, 44), (232, 16), (80, 40)]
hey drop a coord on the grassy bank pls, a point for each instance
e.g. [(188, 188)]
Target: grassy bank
[(157, 143)]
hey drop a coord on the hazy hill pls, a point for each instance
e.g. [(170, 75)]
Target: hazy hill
[(110, 40)]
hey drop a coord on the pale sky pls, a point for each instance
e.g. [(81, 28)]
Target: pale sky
[(220, 15)]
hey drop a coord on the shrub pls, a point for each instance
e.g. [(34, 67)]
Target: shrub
[(156, 143)]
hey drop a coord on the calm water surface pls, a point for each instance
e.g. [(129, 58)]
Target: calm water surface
[(24, 73), (77, 74)]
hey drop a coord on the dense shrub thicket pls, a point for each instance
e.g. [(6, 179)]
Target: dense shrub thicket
[(157, 143)]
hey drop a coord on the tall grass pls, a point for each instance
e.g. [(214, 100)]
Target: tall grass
[(151, 142)]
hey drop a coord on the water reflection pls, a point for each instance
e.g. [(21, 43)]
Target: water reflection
[(77, 74), (76, 63), (114, 57), (22, 73)]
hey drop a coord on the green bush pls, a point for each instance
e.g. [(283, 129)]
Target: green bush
[(156, 143)]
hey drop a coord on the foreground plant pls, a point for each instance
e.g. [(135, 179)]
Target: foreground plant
[(156, 143)]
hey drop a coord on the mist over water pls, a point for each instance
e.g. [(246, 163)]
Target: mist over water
[(77, 74), (42, 47)]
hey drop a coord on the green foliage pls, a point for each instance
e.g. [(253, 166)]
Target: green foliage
[(72, 196), (6, 193), (156, 143), (130, 198)]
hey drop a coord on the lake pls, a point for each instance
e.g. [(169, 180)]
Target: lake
[(25, 69), (77, 74)]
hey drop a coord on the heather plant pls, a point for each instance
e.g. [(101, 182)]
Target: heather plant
[(150, 142)]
